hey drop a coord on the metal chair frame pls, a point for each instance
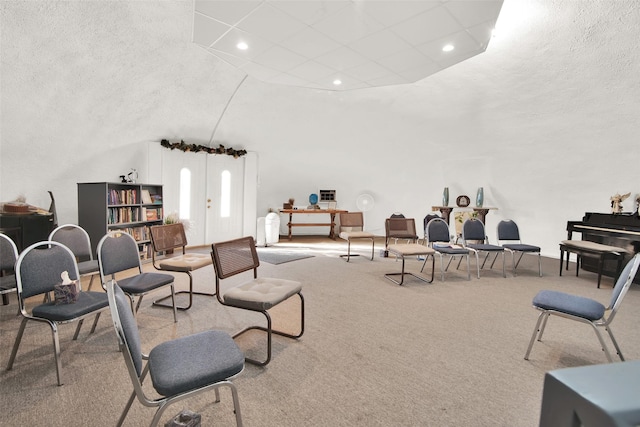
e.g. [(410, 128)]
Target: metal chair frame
[(619, 291), (437, 231), (8, 258), (139, 373), (170, 237), (237, 256), (127, 258), (355, 222), (473, 231), (65, 261), (509, 238), (68, 234)]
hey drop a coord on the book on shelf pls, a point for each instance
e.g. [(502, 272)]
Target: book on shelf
[(152, 214), (146, 197)]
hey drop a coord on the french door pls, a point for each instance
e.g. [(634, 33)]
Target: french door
[(215, 195)]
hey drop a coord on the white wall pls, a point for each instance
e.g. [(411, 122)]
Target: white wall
[(546, 120)]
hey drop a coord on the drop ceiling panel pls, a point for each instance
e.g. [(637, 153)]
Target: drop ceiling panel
[(342, 58), (279, 58), (312, 71), (311, 12), (348, 26), (227, 11), (428, 26), (472, 12), (270, 23), (363, 43), (207, 30), (380, 44), (389, 13), (405, 60), (310, 43), (228, 43)]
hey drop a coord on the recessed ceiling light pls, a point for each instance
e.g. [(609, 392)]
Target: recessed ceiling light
[(447, 48), (337, 82), (242, 46)]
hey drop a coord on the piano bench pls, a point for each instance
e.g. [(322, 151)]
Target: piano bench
[(591, 249)]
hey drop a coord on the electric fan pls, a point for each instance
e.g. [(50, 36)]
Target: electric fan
[(365, 202)]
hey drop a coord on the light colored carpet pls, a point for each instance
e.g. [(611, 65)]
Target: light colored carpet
[(373, 354), (280, 256)]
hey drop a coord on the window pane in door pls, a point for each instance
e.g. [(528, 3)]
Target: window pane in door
[(185, 194), (225, 194)]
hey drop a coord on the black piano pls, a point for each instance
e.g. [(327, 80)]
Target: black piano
[(622, 230)]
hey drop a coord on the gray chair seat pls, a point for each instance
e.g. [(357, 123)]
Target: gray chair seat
[(194, 361), (144, 282), (8, 283), (262, 293), (584, 310), (521, 247), (179, 368), (450, 250), (87, 302), (485, 247), (88, 267), (570, 304)]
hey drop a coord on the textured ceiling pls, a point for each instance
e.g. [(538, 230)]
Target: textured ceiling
[(314, 43)]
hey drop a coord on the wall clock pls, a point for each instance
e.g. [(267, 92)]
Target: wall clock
[(463, 201)]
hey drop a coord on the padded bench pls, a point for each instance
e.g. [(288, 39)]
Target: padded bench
[(591, 249)]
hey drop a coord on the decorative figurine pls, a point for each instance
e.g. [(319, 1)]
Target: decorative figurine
[(616, 202)]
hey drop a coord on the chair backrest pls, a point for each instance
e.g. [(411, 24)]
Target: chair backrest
[(351, 221), (473, 229), (234, 256), (117, 251), (168, 236), (75, 238), (437, 231), (8, 253), (400, 228), (127, 332), (622, 285), (426, 220), (508, 230), (396, 215), (39, 267)]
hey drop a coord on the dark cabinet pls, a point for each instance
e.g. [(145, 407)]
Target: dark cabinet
[(26, 228)]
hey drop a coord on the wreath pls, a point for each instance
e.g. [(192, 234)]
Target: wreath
[(196, 148)]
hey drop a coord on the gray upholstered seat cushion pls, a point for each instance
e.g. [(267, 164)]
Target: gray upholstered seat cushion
[(346, 235), (261, 293), (194, 361), (410, 249), (485, 247), (144, 282), (7, 282), (450, 249), (570, 304), (86, 303), (186, 262), (86, 267), (521, 247)]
